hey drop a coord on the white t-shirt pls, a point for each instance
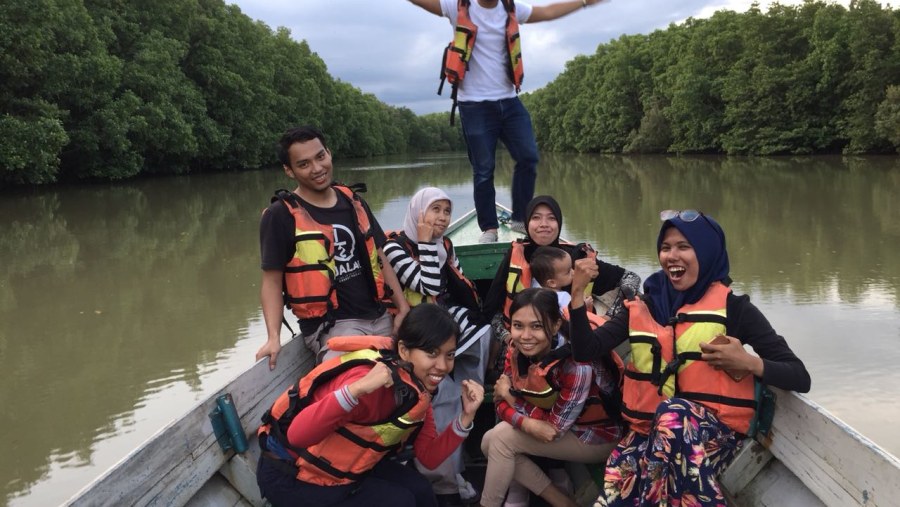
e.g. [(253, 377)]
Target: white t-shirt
[(562, 297), (487, 77)]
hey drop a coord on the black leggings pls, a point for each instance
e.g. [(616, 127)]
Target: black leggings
[(389, 484)]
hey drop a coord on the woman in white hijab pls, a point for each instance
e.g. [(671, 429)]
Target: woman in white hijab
[(428, 271)]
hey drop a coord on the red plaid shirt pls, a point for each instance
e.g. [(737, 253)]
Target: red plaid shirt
[(574, 380)]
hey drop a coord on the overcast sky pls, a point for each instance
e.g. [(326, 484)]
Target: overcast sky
[(392, 48)]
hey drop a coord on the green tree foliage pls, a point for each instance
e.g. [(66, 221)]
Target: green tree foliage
[(109, 89), (555, 109), (802, 79), (654, 134), (57, 82), (769, 105), (887, 119), (874, 64), (30, 143)]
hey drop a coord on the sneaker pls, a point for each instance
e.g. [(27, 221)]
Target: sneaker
[(467, 492), (489, 236), (517, 226)]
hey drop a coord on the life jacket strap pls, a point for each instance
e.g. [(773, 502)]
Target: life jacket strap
[(286, 324), (635, 414), (655, 375), (361, 442), (328, 468), (453, 107), (697, 317), (715, 398)]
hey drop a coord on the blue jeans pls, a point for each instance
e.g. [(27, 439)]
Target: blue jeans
[(507, 120)]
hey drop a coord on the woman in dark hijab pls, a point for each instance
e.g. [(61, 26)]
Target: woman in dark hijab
[(543, 224), (708, 242), (689, 393)]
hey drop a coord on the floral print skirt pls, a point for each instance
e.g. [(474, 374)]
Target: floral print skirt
[(676, 464)]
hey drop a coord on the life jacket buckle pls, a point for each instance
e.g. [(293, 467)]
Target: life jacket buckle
[(677, 319), (668, 371)]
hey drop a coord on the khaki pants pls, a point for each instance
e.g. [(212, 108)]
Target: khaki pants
[(507, 451)]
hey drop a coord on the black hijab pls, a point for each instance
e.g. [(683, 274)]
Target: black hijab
[(550, 202)]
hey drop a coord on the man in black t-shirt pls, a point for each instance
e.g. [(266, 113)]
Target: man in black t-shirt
[(307, 160)]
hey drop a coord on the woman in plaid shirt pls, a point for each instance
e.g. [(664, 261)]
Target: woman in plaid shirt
[(542, 400)]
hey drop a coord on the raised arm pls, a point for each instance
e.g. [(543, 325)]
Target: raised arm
[(432, 6), (422, 275), (590, 344), (550, 12)]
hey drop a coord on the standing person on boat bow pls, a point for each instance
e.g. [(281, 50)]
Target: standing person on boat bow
[(689, 393), (321, 254), (483, 64)]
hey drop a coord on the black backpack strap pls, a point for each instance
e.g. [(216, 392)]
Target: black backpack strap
[(283, 194), (357, 188)]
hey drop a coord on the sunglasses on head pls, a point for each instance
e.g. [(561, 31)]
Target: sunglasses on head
[(688, 215)]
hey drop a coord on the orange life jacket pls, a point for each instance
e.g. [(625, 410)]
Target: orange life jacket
[(518, 277), (665, 362), (450, 274), (309, 288), (534, 387), (459, 50), (344, 456)]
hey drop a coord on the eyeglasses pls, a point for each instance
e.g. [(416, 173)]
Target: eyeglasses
[(688, 215)]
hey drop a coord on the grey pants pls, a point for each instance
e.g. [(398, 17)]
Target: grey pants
[(471, 364), (317, 342)]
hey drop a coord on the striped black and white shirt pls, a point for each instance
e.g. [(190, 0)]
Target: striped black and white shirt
[(424, 276)]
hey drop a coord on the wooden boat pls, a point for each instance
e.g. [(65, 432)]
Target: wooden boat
[(803, 456)]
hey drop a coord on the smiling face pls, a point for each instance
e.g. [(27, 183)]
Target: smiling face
[(438, 215), (528, 334), (430, 366), (543, 226), (678, 260), (310, 166)]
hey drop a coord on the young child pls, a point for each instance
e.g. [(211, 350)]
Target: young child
[(552, 268)]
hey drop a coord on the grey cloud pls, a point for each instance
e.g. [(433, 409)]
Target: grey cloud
[(392, 48)]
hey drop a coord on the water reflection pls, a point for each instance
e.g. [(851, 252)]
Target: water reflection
[(105, 291), (117, 301), (803, 223)]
